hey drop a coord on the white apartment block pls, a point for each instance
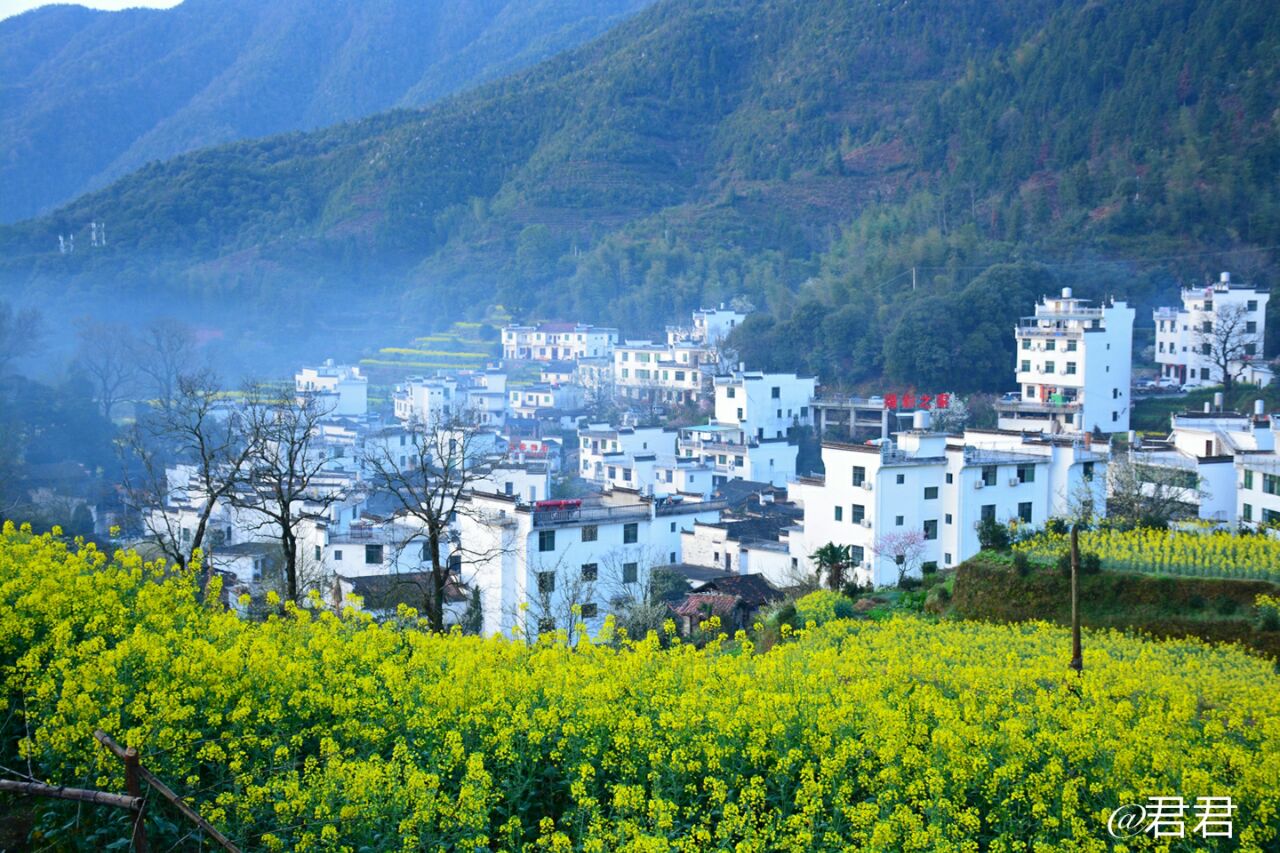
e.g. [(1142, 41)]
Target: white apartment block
[(557, 342), (671, 373), (1204, 462), (941, 487), (484, 396), (338, 390), (426, 400), (537, 562), (1182, 333), (1073, 368), (731, 453), (764, 405), (710, 327), (532, 401), (598, 443)]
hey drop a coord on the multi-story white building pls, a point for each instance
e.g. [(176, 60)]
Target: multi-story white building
[(539, 562), (710, 327), (338, 390), (426, 400), (598, 443), (1073, 368), (1188, 352), (941, 488), (764, 405), (557, 341), (532, 401), (730, 453), (677, 373)]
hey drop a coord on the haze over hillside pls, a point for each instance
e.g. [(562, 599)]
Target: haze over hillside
[(87, 96), (800, 155)]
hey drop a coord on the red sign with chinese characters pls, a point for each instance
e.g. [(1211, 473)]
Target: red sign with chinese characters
[(910, 400)]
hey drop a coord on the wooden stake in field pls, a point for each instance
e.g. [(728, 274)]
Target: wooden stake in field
[(1077, 655)]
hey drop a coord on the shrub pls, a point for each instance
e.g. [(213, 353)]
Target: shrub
[(1021, 563), (993, 536), (844, 609), (1266, 613), (1226, 606), (818, 607)]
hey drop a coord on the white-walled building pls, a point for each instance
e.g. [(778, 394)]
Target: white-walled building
[(557, 341), (537, 562), (1182, 334), (941, 487), (598, 443), (764, 405), (339, 390), (710, 327), (533, 401), (731, 453), (426, 400), (1073, 366), (676, 373)]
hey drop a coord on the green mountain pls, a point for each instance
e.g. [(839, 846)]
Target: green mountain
[(88, 96), (802, 156)]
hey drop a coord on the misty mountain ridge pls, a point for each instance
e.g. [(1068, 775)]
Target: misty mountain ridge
[(88, 96), (792, 153)]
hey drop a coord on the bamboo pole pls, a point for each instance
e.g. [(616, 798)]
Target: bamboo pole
[(100, 798)]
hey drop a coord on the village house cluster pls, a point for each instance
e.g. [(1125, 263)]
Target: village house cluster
[(626, 457)]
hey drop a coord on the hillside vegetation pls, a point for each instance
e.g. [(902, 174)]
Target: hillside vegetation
[(87, 96), (316, 731), (802, 155)]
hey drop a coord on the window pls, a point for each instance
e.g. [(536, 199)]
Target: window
[(590, 571), (1204, 371), (337, 556), (859, 475), (373, 555), (630, 533), (1251, 305), (1026, 473), (946, 558), (948, 518), (839, 513), (546, 540), (1251, 327), (319, 554), (1050, 345), (1271, 484), (546, 626), (590, 611), (902, 478), (856, 554), (1248, 479), (1071, 346), (775, 392), (1026, 343), (739, 414), (897, 520), (1048, 367), (951, 478), (546, 582), (858, 514), (989, 473), (931, 528), (988, 512), (730, 392), (1071, 368), (1024, 511), (1087, 471), (630, 572), (1026, 365), (931, 493), (508, 488), (1270, 515), (1246, 512)]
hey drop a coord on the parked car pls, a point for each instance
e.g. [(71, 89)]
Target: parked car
[(1010, 397)]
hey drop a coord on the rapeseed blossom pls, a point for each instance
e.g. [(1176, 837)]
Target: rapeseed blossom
[(317, 731)]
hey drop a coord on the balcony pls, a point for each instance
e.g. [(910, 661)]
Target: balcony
[(1034, 407)]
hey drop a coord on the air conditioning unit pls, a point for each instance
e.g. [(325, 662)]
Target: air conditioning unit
[(978, 484), (1013, 481), (867, 484), (866, 522), (866, 564)]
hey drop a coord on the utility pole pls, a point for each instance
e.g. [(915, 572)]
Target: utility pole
[(1077, 655), (913, 278)]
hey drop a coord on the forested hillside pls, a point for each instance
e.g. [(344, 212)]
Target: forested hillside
[(87, 96), (802, 156)]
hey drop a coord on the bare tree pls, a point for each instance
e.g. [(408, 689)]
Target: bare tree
[(905, 549), (163, 353), (20, 334), (105, 356), (195, 431), (285, 485), (1143, 493), (1229, 341), (428, 477)]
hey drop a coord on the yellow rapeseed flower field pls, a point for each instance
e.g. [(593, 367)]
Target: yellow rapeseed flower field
[(1202, 553), (316, 731)]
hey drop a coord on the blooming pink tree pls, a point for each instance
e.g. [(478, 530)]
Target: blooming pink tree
[(905, 549)]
